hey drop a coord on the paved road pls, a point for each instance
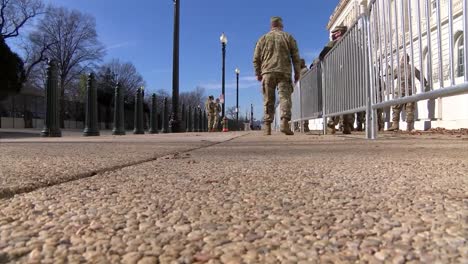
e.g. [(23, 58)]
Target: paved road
[(252, 199)]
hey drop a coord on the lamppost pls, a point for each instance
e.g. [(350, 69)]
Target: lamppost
[(223, 40), (237, 96), (175, 122)]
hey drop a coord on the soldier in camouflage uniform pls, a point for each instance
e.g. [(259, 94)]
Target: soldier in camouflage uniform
[(273, 55), (337, 34), (210, 110), (217, 115), (405, 79)]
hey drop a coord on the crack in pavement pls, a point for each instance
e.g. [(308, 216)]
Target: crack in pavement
[(9, 192)]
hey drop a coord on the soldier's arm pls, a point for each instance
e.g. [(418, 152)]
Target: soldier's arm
[(296, 59), (257, 59), (325, 50), (417, 73)]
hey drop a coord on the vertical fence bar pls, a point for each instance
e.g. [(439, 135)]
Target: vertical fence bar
[(387, 78), (324, 92), (429, 44), (450, 27), (410, 25), (421, 55), (392, 62), (404, 54), (465, 41), (439, 44), (371, 132), (397, 33)]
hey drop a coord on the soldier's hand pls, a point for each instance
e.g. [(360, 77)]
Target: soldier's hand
[(259, 78)]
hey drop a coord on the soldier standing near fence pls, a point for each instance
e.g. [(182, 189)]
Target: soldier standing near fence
[(217, 115), (273, 55), (405, 82), (210, 110), (337, 34)]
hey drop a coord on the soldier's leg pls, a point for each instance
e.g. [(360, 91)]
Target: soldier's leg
[(347, 119), (380, 119), (211, 118), (361, 120), (396, 110), (409, 108), (269, 84), (306, 126), (331, 124), (285, 89), (352, 119)]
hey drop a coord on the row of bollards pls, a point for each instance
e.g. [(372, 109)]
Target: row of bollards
[(195, 120)]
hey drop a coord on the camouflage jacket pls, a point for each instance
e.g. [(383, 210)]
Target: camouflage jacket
[(217, 108), (327, 49), (274, 52), (210, 107)]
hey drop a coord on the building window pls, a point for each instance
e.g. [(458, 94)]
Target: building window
[(460, 56), (434, 6)]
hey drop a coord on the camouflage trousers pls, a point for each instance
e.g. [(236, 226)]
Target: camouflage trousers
[(211, 120), (335, 120), (216, 118), (361, 118), (409, 107), (283, 82)]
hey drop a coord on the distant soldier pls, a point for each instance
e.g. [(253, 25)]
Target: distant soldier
[(405, 81), (273, 55), (217, 115), (337, 34), (210, 110)]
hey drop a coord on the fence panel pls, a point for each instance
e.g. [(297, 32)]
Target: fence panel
[(311, 93), (345, 76), (415, 56)]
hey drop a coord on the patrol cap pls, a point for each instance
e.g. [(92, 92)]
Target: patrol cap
[(340, 28), (276, 20)]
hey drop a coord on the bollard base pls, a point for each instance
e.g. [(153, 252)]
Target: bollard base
[(91, 133), (138, 132), (118, 133), (225, 125), (51, 133), (153, 131)]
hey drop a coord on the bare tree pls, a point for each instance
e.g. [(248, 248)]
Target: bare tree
[(124, 73), (15, 14), (193, 98), (69, 37)]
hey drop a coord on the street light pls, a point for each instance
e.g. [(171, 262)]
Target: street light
[(223, 40), (237, 96), (175, 122)]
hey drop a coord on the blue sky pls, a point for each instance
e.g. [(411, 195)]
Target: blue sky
[(141, 32)]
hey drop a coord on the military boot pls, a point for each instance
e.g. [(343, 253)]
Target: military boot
[(267, 131), (395, 127), (359, 126), (285, 127), (346, 129), (410, 126), (331, 129)]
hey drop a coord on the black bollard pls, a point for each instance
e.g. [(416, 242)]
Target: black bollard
[(200, 120), (138, 122), (153, 116), (204, 125), (91, 128), (52, 118), (189, 120), (165, 124), (183, 119), (119, 125), (195, 119)]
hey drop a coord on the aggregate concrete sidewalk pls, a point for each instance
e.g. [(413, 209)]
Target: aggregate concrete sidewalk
[(255, 199), (28, 162)]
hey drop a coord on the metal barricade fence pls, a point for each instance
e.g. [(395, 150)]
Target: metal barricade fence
[(345, 73), (380, 61), (414, 53)]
